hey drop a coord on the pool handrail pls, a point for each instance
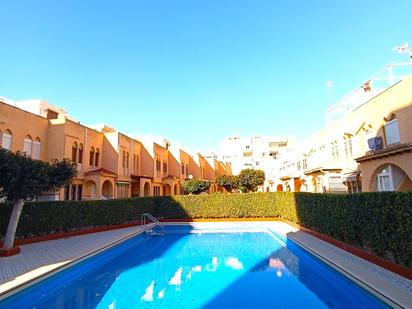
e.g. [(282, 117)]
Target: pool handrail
[(154, 220)]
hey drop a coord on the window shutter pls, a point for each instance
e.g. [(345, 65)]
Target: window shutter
[(36, 150), (6, 143), (392, 132), (27, 146)]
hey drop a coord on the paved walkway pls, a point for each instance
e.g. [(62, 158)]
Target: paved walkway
[(374, 278), (42, 257)]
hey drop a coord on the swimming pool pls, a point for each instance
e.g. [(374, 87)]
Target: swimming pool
[(191, 268)]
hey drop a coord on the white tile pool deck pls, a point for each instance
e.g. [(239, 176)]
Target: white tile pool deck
[(38, 259)]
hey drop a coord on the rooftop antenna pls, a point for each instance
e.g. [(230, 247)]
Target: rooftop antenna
[(403, 49)]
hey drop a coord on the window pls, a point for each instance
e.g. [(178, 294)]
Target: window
[(27, 146), (137, 164), (348, 147), (156, 190), (183, 169), (6, 140), (36, 149), (127, 160), (123, 190), (384, 179), (91, 159), (187, 169), (74, 152), (97, 155), (79, 192), (354, 186), (66, 193), (158, 165), (164, 168), (392, 132), (124, 159), (73, 193), (335, 150), (80, 158)]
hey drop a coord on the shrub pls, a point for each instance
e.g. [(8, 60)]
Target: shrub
[(250, 179), (229, 182), (380, 222), (196, 186)]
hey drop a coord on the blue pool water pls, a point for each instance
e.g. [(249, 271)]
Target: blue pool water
[(198, 270)]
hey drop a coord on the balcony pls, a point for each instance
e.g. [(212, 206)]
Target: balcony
[(391, 150)]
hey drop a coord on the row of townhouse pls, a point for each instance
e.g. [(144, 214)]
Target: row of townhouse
[(368, 148), (110, 164)]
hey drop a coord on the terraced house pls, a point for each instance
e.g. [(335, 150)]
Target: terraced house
[(366, 145), (110, 164)]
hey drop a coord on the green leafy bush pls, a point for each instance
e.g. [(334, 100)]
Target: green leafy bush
[(229, 182), (196, 186), (380, 222), (250, 179)]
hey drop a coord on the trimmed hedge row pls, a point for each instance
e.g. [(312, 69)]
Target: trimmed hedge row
[(380, 222)]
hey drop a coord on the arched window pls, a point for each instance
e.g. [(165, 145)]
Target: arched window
[(91, 158), (96, 160), (36, 148), (80, 158), (28, 144), (137, 165), (348, 146), (384, 179), (392, 131), (6, 141), (74, 152), (127, 160), (124, 159), (335, 150)]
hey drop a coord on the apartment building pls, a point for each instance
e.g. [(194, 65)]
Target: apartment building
[(252, 152), (110, 164), (256, 153), (366, 145)]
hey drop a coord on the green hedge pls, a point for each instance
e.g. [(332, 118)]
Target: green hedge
[(378, 222)]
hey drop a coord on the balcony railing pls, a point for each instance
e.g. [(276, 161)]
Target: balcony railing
[(373, 86)]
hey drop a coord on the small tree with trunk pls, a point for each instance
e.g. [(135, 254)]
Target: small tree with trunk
[(250, 180), (23, 178), (196, 186), (229, 182)]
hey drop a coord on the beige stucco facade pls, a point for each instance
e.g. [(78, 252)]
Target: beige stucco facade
[(110, 164), (338, 159)]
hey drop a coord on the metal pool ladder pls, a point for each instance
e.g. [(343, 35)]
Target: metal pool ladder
[(146, 218)]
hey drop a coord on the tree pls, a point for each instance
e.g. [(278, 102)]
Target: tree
[(229, 182), (196, 186), (23, 178), (250, 180)]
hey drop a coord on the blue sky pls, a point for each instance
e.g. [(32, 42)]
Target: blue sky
[(196, 71)]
